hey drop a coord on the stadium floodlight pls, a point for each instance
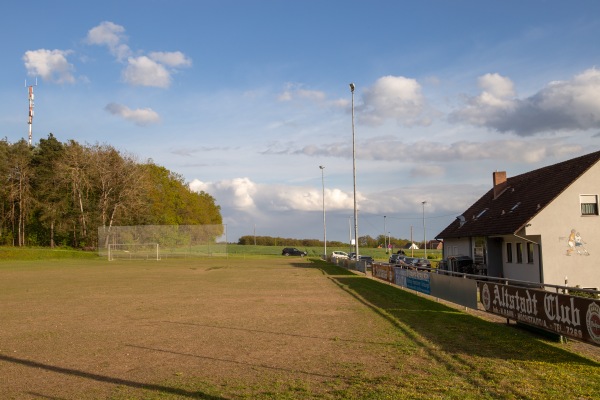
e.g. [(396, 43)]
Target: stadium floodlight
[(352, 87), (424, 235), (324, 225)]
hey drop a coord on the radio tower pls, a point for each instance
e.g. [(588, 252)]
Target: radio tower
[(30, 107)]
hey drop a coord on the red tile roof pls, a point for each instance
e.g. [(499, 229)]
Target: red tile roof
[(525, 196)]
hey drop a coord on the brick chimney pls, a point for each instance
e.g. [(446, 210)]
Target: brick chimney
[(499, 183)]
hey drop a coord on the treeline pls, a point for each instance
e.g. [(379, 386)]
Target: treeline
[(57, 193), (363, 241), (278, 241)]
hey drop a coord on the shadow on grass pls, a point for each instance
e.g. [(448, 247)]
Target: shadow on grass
[(108, 379), (325, 267), (453, 331)]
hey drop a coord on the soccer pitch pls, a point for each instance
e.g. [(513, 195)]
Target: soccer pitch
[(256, 328)]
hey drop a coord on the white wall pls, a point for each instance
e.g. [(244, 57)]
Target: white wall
[(523, 271), (555, 223), (457, 247)]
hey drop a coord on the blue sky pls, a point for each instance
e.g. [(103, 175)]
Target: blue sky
[(246, 99)]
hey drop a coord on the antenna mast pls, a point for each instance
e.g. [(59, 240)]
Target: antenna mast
[(30, 121)]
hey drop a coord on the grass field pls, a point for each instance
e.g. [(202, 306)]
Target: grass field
[(258, 328)]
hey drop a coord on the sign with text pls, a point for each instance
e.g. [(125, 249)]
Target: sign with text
[(571, 316), (413, 279), (383, 271)]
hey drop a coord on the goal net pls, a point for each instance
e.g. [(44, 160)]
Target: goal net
[(143, 251), (169, 241)]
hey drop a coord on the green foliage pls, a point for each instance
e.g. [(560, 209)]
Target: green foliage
[(60, 193)]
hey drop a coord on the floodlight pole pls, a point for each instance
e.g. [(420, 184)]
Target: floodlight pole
[(352, 87), (324, 225), (384, 236), (424, 236)]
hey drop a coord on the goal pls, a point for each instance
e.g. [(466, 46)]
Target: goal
[(144, 251), (162, 241)]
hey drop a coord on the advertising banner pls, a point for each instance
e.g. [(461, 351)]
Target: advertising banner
[(413, 279), (384, 272), (570, 316)]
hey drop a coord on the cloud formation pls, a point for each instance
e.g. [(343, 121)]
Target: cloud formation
[(140, 116), (110, 35), (244, 194), (154, 69), (142, 71), (50, 65), (388, 149), (394, 97), (560, 106)]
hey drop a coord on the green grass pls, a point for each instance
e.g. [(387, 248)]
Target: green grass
[(43, 253), (233, 250), (377, 254), (259, 328)]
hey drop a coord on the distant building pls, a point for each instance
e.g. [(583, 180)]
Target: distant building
[(541, 226), (435, 245), (411, 246)]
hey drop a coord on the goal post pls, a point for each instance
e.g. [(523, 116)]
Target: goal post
[(141, 251), (170, 241)]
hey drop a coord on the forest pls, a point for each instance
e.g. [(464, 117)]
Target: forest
[(59, 194)]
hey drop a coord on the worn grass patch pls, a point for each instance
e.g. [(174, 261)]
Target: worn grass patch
[(277, 327)]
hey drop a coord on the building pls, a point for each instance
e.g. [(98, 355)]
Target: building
[(541, 226), (435, 245)]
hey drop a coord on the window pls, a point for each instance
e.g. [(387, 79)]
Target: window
[(520, 253), (589, 204), (509, 253), (530, 253)]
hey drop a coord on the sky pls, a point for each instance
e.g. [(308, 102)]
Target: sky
[(248, 99)]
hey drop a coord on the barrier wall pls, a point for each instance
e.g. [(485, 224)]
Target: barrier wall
[(572, 316)]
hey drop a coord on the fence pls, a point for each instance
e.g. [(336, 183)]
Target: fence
[(552, 308), (173, 241)]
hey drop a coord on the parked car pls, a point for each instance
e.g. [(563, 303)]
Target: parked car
[(408, 261), (396, 258), (422, 262), (292, 251), (368, 259), (339, 254)]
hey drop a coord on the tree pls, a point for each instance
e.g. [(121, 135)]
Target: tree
[(119, 183), (50, 200), (19, 188), (72, 172)]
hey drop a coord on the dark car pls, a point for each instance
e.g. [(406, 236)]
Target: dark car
[(422, 262), (396, 258), (367, 259), (292, 251), (408, 261)]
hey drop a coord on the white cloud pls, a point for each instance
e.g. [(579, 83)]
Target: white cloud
[(142, 71), (154, 69), (237, 193), (140, 116), (392, 149), (394, 97), (111, 35), (497, 85), (296, 92), (50, 65), (242, 193), (171, 59), (560, 106), (280, 210)]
